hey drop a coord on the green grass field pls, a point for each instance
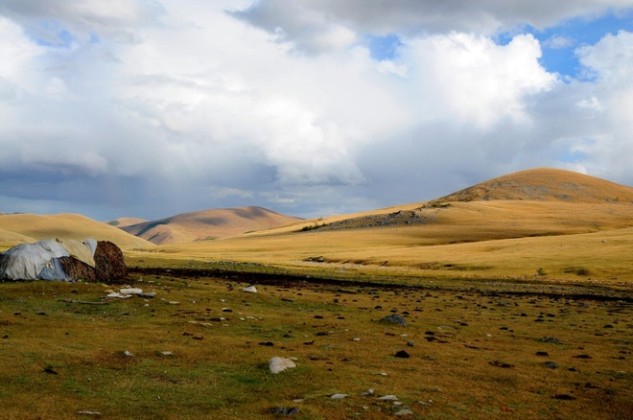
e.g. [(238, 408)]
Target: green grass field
[(63, 358)]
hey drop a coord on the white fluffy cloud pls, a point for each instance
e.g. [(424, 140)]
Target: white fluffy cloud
[(151, 108)]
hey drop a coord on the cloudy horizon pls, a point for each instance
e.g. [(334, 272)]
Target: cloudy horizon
[(149, 108)]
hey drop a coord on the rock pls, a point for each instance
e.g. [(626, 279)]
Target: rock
[(50, 370), (404, 412), (368, 393), (542, 353), (91, 413), (402, 354), (582, 356), (394, 319), (338, 396), (250, 289), (410, 344), (552, 340), (284, 411), (109, 262), (128, 353), (388, 398), (551, 365), (279, 364), (497, 363), (564, 397), (131, 291)]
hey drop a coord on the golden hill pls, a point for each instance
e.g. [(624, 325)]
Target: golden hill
[(208, 224), (585, 230), (19, 228), (545, 184)]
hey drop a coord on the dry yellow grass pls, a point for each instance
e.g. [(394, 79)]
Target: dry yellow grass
[(496, 239), (71, 226), (544, 223)]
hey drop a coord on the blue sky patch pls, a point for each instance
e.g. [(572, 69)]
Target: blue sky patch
[(383, 47), (559, 43)]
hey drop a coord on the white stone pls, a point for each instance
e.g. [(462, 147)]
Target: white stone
[(279, 364), (388, 398), (131, 291), (338, 396), (250, 289)]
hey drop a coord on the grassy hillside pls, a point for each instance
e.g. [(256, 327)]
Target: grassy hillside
[(577, 237), (545, 184), (35, 227), (208, 224)]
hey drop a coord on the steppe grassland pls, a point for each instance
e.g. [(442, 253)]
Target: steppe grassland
[(492, 240), (60, 356)]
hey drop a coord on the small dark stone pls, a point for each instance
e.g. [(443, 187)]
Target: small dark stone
[(198, 337), (227, 310), (551, 365), (564, 397), (410, 344), (582, 356), (318, 317), (394, 319), (542, 353), (284, 411), (266, 343), (50, 370), (402, 354), (500, 364), (608, 326), (308, 343)]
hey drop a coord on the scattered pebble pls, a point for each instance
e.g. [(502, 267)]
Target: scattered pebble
[(338, 396), (90, 413), (404, 412), (250, 289), (279, 364), (500, 364), (394, 319), (551, 365), (389, 397), (402, 354), (284, 411)]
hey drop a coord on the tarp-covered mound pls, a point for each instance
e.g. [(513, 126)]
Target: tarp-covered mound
[(64, 260)]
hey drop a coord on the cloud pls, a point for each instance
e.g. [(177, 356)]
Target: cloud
[(303, 22), (205, 110)]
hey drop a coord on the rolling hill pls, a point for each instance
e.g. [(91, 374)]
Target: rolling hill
[(208, 224), (561, 221), (20, 228), (545, 184)]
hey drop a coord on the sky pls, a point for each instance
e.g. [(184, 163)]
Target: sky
[(150, 108)]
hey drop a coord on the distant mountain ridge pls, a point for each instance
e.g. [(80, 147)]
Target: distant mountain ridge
[(208, 224)]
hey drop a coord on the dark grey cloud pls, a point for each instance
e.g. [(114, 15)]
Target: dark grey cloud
[(303, 22)]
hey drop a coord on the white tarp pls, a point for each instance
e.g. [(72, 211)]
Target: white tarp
[(40, 260)]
